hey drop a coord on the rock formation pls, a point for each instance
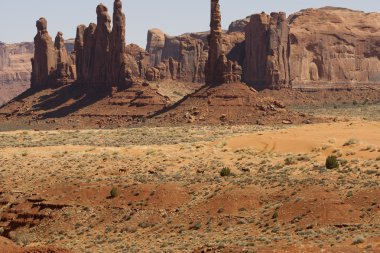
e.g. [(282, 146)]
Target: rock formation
[(15, 65), (219, 69), (184, 57), (314, 47), (334, 46), (117, 46), (65, 68), (137, 62), (79, 51), (215, 52), (155, 46), (88, 54), (101, 58), (99, 66), (267, 51), (44, 62), (239, 25)]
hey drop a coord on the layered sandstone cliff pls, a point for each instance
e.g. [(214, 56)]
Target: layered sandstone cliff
[(313, 48), (175, 57), (15, 69), (15, 65), (332, 46), (267, 51), (185, 57)]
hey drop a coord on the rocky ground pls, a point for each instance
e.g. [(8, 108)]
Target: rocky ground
[(245, 188), (170, 103)]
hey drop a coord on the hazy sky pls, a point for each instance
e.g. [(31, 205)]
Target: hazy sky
[(17, 19)]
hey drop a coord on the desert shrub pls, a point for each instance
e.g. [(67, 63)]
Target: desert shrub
[(351, 142), (225, 172), (358, 240), (290, 160), (332, 163), (114, 192), (275, 215), (197, 225)]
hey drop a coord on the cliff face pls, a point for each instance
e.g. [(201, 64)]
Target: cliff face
[(175, 57), (267, 51), (313, 48), (213, 57), (15, 65), (334, 46), (15, 69)]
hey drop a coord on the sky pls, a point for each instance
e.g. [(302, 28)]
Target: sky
[(174, 17)]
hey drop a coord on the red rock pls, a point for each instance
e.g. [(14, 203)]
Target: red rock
[(15, 69), (333, 47), (155, 45), (266, 48), (117, 46), (79, 51), (215, 52), (44, 62), (99, 66), (64, 61), (88, 53), (219, 69)]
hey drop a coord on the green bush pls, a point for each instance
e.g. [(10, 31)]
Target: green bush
[(113, 192), (332, 163), (225, 172)]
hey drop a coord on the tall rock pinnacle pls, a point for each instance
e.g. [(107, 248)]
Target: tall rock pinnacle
[(117, 46), (44, 62), (215, 44), (219, 69), (100, 64), (100, 51)]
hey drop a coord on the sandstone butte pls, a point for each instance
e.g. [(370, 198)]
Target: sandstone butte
[(314, 48)]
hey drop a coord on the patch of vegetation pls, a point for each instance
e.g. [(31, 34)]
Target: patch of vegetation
[(114, 192), (350, 142), (358, 240), (332, 163), (225, 172)]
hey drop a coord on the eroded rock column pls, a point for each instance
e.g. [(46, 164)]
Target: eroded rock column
[(79, 51), (44, 62), (64, 62), (100, 63), (219, 69), (117, 46), (215, 45)]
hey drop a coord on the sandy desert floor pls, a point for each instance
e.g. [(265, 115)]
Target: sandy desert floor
[(170, 194)]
